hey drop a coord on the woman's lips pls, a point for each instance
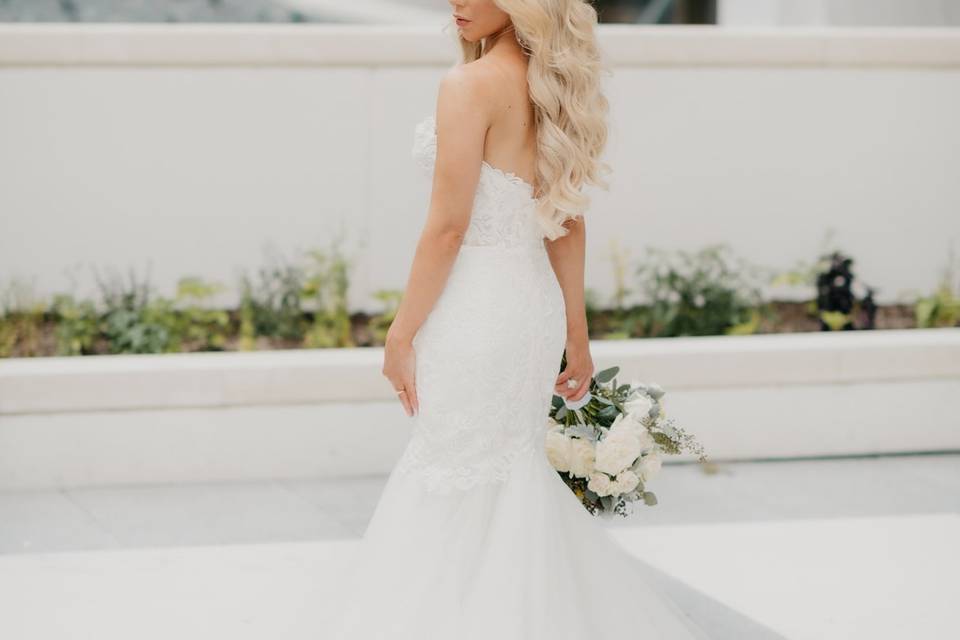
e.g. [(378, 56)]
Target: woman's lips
[(462, 22)]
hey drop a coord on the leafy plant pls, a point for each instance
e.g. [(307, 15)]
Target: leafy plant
[(325, 292), (132, 321), (837, 304), (77, 325), (21, 319), (271, 301), (380, 323), (701, 293), (203, 327), (942, 307)]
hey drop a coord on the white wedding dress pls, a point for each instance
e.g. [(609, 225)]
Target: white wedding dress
[(475, 536)]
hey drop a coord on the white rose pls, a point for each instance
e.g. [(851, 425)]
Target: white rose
[(618, 450), (632, 423), (553, 425), (649, 466), (582, 457), (600, 484), (639, 405), (646, 440), (558, 450), (626, 481)]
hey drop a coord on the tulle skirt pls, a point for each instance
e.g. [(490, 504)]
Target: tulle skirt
[(514, 560)]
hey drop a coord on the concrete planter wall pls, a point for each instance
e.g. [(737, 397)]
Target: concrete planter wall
[(225, 416)]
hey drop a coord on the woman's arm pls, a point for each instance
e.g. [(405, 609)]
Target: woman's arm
[(462, 121), (567, 255)]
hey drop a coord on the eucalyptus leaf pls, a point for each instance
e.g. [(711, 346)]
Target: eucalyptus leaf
[(607, 374), (649, 498), (609, 412)]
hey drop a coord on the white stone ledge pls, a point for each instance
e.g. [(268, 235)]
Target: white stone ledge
[(106, 420), (366, 45), (318, 376)]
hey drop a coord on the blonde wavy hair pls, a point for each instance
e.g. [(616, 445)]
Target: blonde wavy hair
[(563, 75)]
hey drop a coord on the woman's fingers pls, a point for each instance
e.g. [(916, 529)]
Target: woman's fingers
[(405, 401), (583, 382), (580, 391), (408, 397), (399, 368), (411, 396)]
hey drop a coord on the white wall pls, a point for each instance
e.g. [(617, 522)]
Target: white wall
[(193, 147), (852, 13)]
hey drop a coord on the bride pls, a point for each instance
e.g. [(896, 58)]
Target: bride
[(475, 536)]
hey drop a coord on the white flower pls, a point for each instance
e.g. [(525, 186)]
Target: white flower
[(553, 425), (646, 440), (582, 457), (649, 466), (626, 481), (558, 450), (638, 406), (600, 484), (619, 449), (633, 424)]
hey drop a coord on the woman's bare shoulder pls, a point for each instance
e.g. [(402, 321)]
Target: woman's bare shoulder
[(473, 85)]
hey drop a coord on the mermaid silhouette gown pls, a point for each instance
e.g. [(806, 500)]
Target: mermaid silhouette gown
[(475, 536)]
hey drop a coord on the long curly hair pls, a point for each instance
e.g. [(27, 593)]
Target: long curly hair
[(563, 75)]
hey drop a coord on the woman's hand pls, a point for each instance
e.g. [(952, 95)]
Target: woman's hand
[(399, 366), (579, 367)]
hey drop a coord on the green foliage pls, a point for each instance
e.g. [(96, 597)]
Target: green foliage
[(942, 307), (77, 325), (270, 302), (132, 322), (380, 323), (21, 319), (325, 290), (696, 294), (303, 301), (204, 328)]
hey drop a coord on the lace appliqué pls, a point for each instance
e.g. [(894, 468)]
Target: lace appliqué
[(490, 349), (504, 209)]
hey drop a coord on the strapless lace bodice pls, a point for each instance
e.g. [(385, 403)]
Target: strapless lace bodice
[(504, 209)]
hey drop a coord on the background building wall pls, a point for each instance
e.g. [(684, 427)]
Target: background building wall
[(891, 13), (191, 149)]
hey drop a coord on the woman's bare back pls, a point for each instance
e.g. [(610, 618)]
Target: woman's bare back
[(511, 141)]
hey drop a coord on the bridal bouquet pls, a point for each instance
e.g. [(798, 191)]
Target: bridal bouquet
[(610, 443)]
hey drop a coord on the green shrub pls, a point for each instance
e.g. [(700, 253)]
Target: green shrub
[(77, 325), (132, 320), (696, 294), (324, 294)]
